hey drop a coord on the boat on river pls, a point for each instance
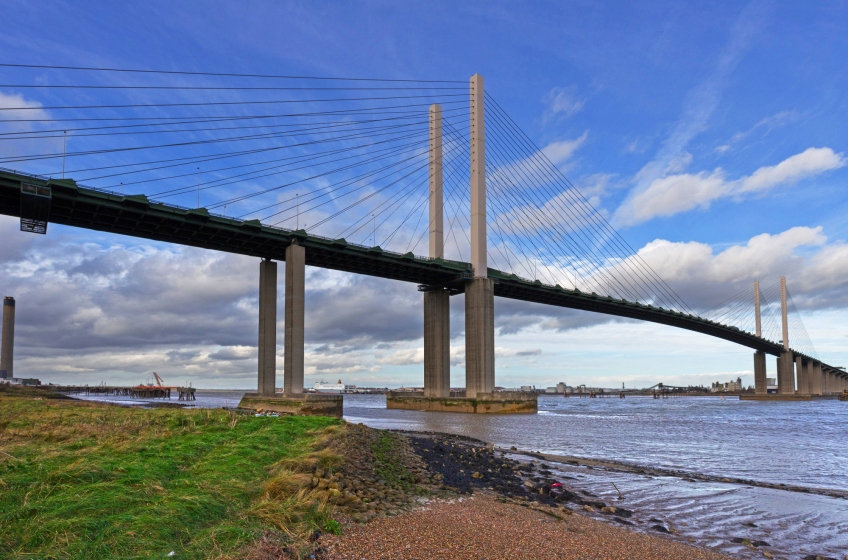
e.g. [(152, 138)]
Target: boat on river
[(333, 388)]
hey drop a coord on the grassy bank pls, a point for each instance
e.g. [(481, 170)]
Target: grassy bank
[(87, 480)]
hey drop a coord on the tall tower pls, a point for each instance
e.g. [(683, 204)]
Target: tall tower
[(8, 342)]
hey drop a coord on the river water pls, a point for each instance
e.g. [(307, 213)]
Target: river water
[(794, 443)]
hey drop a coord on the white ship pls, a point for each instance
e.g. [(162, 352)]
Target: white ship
[(336, 388)]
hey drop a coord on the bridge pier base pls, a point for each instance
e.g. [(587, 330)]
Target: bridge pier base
[(760, 383), (295, 298), (267, 327), (785, 374), (436, 344), (803, 379), (479, 336)]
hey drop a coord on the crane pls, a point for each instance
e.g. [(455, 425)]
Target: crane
[(159, 380)]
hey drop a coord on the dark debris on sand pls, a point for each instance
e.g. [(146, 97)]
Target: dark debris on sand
[(464, 464)]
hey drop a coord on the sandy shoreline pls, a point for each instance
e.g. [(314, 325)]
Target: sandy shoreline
[(485, 526)]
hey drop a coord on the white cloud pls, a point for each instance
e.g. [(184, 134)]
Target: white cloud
[(16, 107), (404, 357), (560, 152), (562, 103), (18, 111), (808, 163), (673, 194), (769, 123), (501, 352)]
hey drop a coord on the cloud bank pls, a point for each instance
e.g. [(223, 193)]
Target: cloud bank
[(681, 192)]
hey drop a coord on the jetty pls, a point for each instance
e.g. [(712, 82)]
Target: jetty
[(147, 391)]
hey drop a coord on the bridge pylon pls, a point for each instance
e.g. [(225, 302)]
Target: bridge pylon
[(760, 381), (480, 291), (786, 361)]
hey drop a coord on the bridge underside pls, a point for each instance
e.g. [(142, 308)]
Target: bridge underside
[(137, 216)]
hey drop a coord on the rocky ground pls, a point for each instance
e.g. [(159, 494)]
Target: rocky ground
[(380, 477), (465, 464)]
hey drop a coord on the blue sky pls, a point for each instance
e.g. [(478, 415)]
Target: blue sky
[(711, 135)]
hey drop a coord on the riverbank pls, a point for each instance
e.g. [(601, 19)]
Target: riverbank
[(84, 479)]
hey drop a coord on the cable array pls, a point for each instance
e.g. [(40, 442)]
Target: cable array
[(337, 157), (737, 311), (799, 339), (543, 228)]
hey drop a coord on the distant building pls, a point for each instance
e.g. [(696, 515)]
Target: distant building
[(528, 388), (561, 387), (25, 381), (728, 387), (771, 384), (550, 390)]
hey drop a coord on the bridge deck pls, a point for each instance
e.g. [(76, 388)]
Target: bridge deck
[(137, 216)]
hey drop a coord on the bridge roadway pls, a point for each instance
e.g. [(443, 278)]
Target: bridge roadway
[(137, 216)]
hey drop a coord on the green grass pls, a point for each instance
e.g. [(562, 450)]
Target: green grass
[(84, 480)]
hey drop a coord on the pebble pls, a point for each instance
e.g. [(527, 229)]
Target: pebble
[(484, 527)]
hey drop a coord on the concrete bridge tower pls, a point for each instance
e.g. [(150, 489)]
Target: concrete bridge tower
[(785, 362), (480, 291), (760, 383)]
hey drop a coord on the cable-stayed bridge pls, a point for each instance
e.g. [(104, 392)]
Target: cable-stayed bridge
[(425, 182)]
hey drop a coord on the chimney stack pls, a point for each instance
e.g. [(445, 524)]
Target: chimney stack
[(8, 341)]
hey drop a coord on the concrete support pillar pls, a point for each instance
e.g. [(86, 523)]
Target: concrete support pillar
[(816, 379), (7, 346), (803, 378), (267, 327), (479, 292), (437, 302), (785, 374), (760, 373), (479, 336), (437, 344), (295, 297), (811, 377)]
